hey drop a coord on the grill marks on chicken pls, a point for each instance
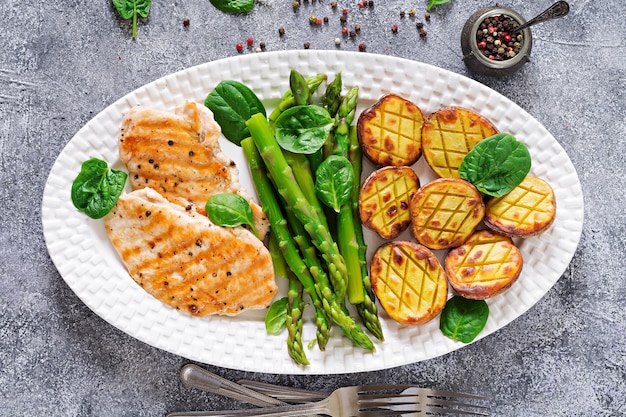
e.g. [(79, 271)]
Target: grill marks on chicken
[(178, 155), (187, 262), (161, 231)]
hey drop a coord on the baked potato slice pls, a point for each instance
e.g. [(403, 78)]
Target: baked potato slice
[(409, 282), (449, 134), (445, 212), (390, 131), (528, 210), (385, 198), (484, 266)]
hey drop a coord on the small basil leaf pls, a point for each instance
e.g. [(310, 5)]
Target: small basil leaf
[(496, 164), (334, 181), (130, 9), (233, 6), (97, 188), (463, 319), (276, 316), (232, 104), (230, 210), (303, 129), (432, 3)]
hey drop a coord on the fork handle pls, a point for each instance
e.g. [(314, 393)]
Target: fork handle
[(277, 411)]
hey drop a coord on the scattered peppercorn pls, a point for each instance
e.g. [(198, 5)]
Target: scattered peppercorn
[(402, 14), (325, 19), (361, 5), (344, 30), (186, 22), (427, 16), (394, 28), (361, 47), (307, 45), (249, 41), (357, 28), (262, 45), (422, 33), (353, 33), (239, 47), (344, 12), (295, 5), (412, 12), (337, 41), (419, 25), (343, 19), (312, 19), (333, 4), (281, 31), (370, 3)]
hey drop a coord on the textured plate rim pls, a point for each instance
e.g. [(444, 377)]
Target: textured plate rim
[(117, 299)]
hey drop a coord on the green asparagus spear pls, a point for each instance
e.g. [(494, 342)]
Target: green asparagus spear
[(295, 307), (345, 117), (272, 209), (299, 88), (288, 99), (289, 189), (332, 96), (367, 309)]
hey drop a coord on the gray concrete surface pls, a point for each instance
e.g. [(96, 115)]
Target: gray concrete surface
[(62, 62)]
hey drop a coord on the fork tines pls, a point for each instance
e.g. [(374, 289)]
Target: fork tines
[(373, 402)]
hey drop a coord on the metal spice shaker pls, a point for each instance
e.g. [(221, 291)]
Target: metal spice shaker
[(474, 58)]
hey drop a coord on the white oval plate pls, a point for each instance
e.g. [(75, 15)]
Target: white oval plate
[(81, 251)]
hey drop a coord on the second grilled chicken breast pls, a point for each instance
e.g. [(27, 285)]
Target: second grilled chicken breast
[(187, 262), (178, 154)]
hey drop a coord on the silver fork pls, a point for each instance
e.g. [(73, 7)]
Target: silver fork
[(357, 401)]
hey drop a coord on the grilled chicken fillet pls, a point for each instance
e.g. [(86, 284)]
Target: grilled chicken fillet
[(184, 260), (178, 155)]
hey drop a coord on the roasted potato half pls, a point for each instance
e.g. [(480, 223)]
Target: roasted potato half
[(527, 210), (390, 131), (409, 282), (445, 212), (485, 265), (449, 134), (385, 198)]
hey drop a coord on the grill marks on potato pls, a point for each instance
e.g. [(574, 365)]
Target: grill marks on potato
[(409, 282), (484, 266), (528, 210), (445, 212), (390, 131), (449, 134), (384, 200)]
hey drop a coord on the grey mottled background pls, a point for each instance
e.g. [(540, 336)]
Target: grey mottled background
[(63, 61)]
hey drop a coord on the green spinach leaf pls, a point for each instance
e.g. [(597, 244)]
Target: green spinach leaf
[(233, 6), (276, 316), (232, 104), (496, 164), (334, 181), (463, 319), (432, 3), (230, 210), (303, 129), (97, 188), (130, 9)]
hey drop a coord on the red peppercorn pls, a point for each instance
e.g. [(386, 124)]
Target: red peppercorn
[(344, 11), (361, 5), (239, 47), (506, 37), (394, 28), (249, 41), (492, 57), (482, 45), (344, 30), (318, 21)]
